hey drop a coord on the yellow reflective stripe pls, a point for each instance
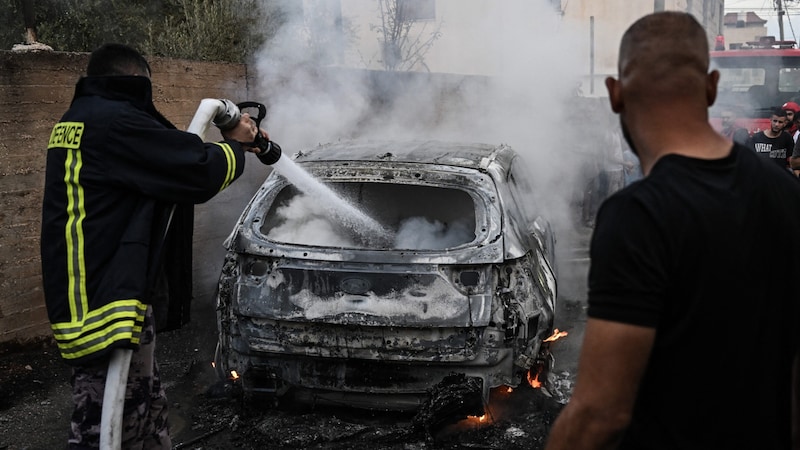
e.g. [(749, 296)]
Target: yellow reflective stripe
[(97, 341), (230, 156), (76, 213), (100, 317), (119, 320), (66, 135)]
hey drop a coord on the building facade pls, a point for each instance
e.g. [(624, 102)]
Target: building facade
[(739, 28), (486, 37), (601, 24)]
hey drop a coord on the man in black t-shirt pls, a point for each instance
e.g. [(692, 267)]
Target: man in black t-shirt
[(694, 317), (774, 143)]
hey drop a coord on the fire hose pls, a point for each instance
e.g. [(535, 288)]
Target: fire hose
[(224, 114), (114, 399)]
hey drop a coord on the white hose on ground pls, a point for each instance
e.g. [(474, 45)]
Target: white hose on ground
[(114, 399), (120, 363)]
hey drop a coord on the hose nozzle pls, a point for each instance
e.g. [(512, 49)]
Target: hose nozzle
[(270, 152), (227, 116)]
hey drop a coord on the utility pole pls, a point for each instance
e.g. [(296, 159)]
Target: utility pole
[(591, 55), (781, 12)]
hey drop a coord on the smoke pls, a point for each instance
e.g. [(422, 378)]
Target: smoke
[(418, 233), (523, 64), (303, 221)]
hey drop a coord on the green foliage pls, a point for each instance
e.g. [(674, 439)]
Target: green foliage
[(208, 30), (12, 26), (212, 30)]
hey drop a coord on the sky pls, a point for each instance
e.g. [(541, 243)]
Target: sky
[(766, 10)]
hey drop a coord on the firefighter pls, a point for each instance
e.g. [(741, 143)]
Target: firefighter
[(115, 168)]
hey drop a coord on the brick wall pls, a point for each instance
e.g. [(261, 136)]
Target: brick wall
[(35, 90)]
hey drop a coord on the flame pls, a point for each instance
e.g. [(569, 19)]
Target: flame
[(213, 364), (556, 335), (478, 419), (534, 382), (234, 375), (509, 389)]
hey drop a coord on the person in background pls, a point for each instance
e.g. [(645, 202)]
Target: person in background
[(690, 293), (632, 168), (774, 143), (612, 176), (115, 168), (610, 173), (730, 128), (791, 109)]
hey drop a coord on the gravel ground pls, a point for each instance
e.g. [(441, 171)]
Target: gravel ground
[(35, 403)]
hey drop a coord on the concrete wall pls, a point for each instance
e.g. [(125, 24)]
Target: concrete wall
[(35, 90)]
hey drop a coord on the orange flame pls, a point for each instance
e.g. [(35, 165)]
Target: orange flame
[(556, 335), (509, 389), (478, 419), (534, 382), (234, 375), (213, 364)]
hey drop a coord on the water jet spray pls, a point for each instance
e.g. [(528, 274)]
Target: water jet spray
[(224, 114)]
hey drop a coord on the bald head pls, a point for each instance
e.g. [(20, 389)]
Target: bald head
[(664, 56), (664, 89)]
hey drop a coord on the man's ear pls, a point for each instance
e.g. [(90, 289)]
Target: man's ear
[(614, 95), (712, 80)]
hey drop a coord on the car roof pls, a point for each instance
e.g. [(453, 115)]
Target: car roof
[(457, 154)]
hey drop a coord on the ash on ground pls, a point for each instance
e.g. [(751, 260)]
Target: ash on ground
[(517, 419), (35, 410)]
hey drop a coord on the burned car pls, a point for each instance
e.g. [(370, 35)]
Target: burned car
[(411, 263)]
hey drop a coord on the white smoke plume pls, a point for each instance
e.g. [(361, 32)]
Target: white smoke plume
[(531, 57)]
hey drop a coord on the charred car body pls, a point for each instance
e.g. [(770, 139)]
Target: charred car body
[(465, 285)]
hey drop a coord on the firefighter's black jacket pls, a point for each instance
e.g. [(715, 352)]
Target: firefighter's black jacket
[(115, 168)]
